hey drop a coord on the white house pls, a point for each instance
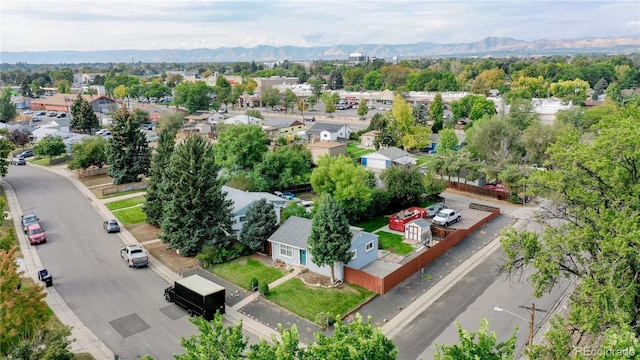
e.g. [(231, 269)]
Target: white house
[(384, 158), (243, 120), (328, 132), (242, 201)]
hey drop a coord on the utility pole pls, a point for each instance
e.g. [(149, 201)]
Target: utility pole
[(532, 311)]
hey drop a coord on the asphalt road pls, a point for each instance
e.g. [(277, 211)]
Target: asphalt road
[(121, 305)]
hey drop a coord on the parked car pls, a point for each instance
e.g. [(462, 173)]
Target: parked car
[(447, 217), (434, 209), (36, 119), (285, 195), (53, 114), (42, 113), (26, 154), (111, 226), (36, 234), (372, 107), (310, 119), (148, 126), (18, 160), (461, 122), (61, 115), (134, 256), (28, 219)]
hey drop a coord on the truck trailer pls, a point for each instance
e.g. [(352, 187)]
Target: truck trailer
[(199, 296)]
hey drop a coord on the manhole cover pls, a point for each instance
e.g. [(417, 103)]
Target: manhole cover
[(129, 325)]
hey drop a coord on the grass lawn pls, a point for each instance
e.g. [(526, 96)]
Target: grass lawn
[(241, 271), (307, 301), (373, 224), (357, 151), (133, 215), (123, 193), (125, 203), (393, 243)]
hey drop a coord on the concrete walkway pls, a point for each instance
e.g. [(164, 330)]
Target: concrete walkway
[(256, 294)]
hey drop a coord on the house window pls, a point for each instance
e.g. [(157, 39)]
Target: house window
[(369, 246), (286, 251), (242, 218), (355, 254)]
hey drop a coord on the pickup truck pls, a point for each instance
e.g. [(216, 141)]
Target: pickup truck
[(447, 217), (134, 255)]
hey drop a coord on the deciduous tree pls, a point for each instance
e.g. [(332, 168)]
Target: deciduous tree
[(8, 110), (270, 97), (92, 151), (486, 346), (194, 96), (20, 137), (128, 152), (241, 147), (404, 185), (261, 222), (285, 167), (214, 341), (50, 145), (197, 212), (363, 108), (24, 311), (330, 239)]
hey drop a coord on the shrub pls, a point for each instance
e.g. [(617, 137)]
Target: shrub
[(264, 289), (253, 285), (324, 320)]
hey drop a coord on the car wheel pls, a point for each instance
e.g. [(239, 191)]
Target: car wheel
[(190, 313), (167, 297)]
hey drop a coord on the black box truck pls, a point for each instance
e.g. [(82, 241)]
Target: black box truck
[(201, 297)]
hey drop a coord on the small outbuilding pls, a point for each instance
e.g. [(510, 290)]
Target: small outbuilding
[(419, 230)]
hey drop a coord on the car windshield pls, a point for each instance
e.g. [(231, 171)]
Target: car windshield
[(443, 214), (36, 231), (30, 218)]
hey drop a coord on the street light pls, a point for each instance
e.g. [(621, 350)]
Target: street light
[(532, 311), (500, 309)]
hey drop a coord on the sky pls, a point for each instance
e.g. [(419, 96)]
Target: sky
[(43, 25)]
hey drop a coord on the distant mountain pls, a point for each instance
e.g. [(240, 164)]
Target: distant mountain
[(491, 46)]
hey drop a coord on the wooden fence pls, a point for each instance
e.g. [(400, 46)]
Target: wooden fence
[(450, 239), (92, 172), (496, 194), (123, 187)]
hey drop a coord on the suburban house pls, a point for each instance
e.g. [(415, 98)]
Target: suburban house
[(435, 139), (419, 230), (243, 120), (328, 132), (242, 201), (204, 116), (384, 158), (289, 244), (286, 128), (368, 139), (331, 148), (156, 111), (200, 129)]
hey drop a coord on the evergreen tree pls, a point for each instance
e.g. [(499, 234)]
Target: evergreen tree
[(196, 211), (128, 152), (436, 112), (156, 189), (261, 222), (82, 115), (330, 239), (8, 110)]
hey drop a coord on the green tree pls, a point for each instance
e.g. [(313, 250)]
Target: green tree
[(289, 99), (448, 141), (270, 97), (494, 139), (485, 347), (8, 110), (120, 92), (194, 96), (294, 209), (45, 344), (254, 113), (261, 222), (64, 87), (411, 135), (329, 102), (373, 80), (5, 148), (330, 238), (50, 145), (363, 108), (197, 212), (404, 185), (82, 115), (92, 151), (223, 91), (24, 311), (436, 108), (284, 167), (128, 152), (350, 184), (214, 341), (157, 192), (488, 80), (241, 147), (595, 185)]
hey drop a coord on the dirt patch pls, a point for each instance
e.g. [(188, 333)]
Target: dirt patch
[(313, 279), (177, 263), (144, 232), (89, 181)]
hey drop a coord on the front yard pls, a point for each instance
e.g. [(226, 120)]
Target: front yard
[(240, 272), (373, 224), (307, 302), (128, 211), (393, 243)]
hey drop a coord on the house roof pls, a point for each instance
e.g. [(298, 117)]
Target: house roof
[(296, 231), (242, 199), (393, 153), (243, 120), (421, 223), (199, 115), (371, 133), (67, 99), (319, 127), (326, 144)]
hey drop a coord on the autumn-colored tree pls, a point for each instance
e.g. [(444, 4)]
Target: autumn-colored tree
[(22, 308), (487, 80)]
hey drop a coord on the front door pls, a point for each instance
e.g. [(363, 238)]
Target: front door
[(303, 257)]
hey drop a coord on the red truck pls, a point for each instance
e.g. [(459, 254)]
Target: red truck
[(399, 220)]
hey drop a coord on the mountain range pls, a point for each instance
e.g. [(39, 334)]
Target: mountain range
[(491, 46)]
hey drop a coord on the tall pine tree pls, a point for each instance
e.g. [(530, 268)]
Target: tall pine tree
[(261, 222), (156, 189), (330, 239), (196, 211), (82, 115), (128, 152)]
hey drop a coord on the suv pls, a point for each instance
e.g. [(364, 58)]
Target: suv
[(18, 160), (36, 234), (26, 154), (28, 219)]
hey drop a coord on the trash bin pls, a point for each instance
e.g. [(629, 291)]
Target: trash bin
[(48, 280), (42, 274)]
